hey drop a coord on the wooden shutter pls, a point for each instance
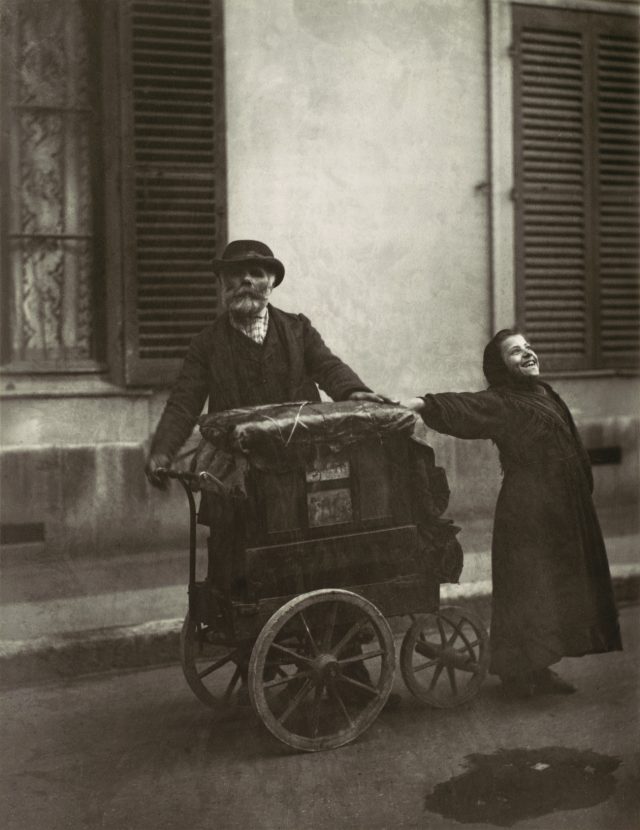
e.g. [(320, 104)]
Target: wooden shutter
[(618, 139), (575, 117), (552, 197), (174, 178)]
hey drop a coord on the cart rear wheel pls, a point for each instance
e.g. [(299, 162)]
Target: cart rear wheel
[(322, 669), (444, 657), (212, 670)]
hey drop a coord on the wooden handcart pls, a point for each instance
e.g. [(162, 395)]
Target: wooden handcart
[(325, 522)]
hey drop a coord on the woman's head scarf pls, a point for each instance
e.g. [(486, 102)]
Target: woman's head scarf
[(494, 368)]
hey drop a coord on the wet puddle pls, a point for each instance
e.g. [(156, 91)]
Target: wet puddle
[(511, 785)]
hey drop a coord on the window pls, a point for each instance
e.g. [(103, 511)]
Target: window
[(114, 159), (51, 164), (576, 149)]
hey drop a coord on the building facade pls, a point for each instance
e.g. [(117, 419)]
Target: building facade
[(428, 170)]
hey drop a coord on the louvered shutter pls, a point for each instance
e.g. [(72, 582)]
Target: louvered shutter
[(618, 139), (174, 178), (575, 112), (552, 197)]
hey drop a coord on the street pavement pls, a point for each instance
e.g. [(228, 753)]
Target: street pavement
[(135, 751)]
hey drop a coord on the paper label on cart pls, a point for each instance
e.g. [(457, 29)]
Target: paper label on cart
[(329, 473), (329, 507)]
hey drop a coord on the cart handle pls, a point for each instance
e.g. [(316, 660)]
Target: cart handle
[(182, 477), (186, 479)]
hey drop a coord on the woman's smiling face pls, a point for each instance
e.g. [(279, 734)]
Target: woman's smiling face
[(519, 357)]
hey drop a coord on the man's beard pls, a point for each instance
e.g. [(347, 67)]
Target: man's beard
[(246, 304)]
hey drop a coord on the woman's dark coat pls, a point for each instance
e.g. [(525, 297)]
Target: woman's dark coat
[(552, 592)]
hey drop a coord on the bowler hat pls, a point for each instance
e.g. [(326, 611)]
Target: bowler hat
[(250, 251)]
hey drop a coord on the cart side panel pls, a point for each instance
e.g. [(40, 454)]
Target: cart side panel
[(360, 487), (335, 561)]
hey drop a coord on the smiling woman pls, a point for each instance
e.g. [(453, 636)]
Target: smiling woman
[(519, 357), (552, 592)]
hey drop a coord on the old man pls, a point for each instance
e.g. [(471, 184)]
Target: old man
[(253, 354)]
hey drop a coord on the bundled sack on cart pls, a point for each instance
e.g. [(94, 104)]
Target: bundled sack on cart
[(440, 547), (280, 437)]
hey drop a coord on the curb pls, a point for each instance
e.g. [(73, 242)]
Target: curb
[(64, 656)]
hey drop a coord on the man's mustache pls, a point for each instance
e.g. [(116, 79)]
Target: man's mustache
[(249, 292)]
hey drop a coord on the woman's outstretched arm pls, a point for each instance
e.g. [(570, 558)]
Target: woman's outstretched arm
[(463, 414)]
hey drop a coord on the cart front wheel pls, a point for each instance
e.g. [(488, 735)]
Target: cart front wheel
[(321, 669), (212, 669), (444, 657)]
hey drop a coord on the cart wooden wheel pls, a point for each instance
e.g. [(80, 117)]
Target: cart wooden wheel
[(444, 657), (212, 670), (321, 669)]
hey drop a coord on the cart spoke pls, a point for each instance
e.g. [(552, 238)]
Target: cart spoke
[(327, 635), (436, 677), (424, 666), (295, 702), (452, 679), (371, 689), (359, 658), (315, 714), (315, 648), (218, 664), (286, 679), (356, 628), (295, 657), (458, 632), (277, 665), (335, 694), (443, 633), (468, 645), (231, 685)]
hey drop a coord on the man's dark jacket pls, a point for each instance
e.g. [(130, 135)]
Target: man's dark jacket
[(209, 371)]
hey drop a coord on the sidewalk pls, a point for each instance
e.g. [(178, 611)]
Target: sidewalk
[(68, 617)]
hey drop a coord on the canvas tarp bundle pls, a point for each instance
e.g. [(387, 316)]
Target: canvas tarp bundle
[(281, 436)]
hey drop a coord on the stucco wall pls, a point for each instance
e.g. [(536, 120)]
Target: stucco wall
[(356, 139)]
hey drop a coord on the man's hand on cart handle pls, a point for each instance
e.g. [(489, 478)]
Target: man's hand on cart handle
[(156, 469), (374, 397)]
